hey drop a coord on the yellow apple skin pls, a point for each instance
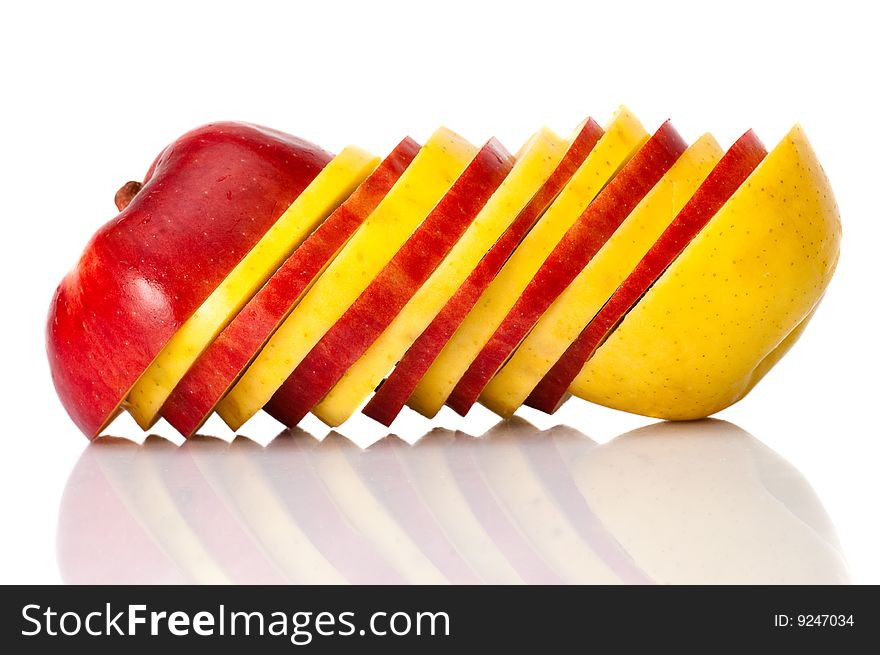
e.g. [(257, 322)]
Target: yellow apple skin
[(732, 303)]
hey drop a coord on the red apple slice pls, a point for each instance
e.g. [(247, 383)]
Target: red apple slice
[(583, 240), (727, 176), (386, 295), (217, 369), (205, 202), (392, 395)]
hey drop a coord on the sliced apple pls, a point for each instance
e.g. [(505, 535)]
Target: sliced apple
[(762, 263), (426, 180), (574, 251), (326, 192), (529, 175), (569, 314), (623, 136), (223, 361), (537, 160), (719, 186), (392, 288), (205, 202)]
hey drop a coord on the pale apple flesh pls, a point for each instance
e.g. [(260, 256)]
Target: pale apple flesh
[(205, 202), (574, 251), (440, 161), (442, 270), (757, 270), (535, 161), (217, 369), (397, 388), (392, 288), (339, 178), (623, 135), (575, 307), (733, 169)]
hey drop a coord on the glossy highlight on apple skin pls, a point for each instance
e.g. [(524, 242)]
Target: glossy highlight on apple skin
[(205, 202), (671, 342)]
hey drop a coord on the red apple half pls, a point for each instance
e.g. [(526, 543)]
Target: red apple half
[(392, 395), (387, 294), (574, 251), (727, 176), (217, 369), (205, 202)]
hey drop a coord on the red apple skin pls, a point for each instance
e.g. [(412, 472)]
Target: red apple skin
[(223, 362), (386, 295), (395, 391), (574, 251), (727, 176), (206, 201)]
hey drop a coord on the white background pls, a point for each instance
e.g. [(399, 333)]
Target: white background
[(90, 94)]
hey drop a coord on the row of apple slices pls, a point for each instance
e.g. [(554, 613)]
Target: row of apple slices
[(453, 274)]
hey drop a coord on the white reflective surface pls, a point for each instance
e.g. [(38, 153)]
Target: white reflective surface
[(700, 502)]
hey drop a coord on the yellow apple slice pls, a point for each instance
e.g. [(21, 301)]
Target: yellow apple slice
[(730, 300), (326, 192), (569, 314), (622, 138), (430, 175), (535, 162)]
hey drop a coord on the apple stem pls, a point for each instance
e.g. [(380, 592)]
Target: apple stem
[(126, 193)]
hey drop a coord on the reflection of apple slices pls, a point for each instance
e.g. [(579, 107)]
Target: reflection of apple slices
[(288, 464), (575, 307), (326, 192), (622, 138), (573, 251), (428, 471), (368, 514), (110, 546), (382, 301), (147, 496), (529, 188), (706, 503), (234, 474), (193, 400), (383, 474), (538, 516), (421, 186), (722, 183)]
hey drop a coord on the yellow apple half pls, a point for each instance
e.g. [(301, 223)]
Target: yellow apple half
[(622, 138), (569, 314), (430, 175), (535, 162), (326, 192), (732, 302)]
